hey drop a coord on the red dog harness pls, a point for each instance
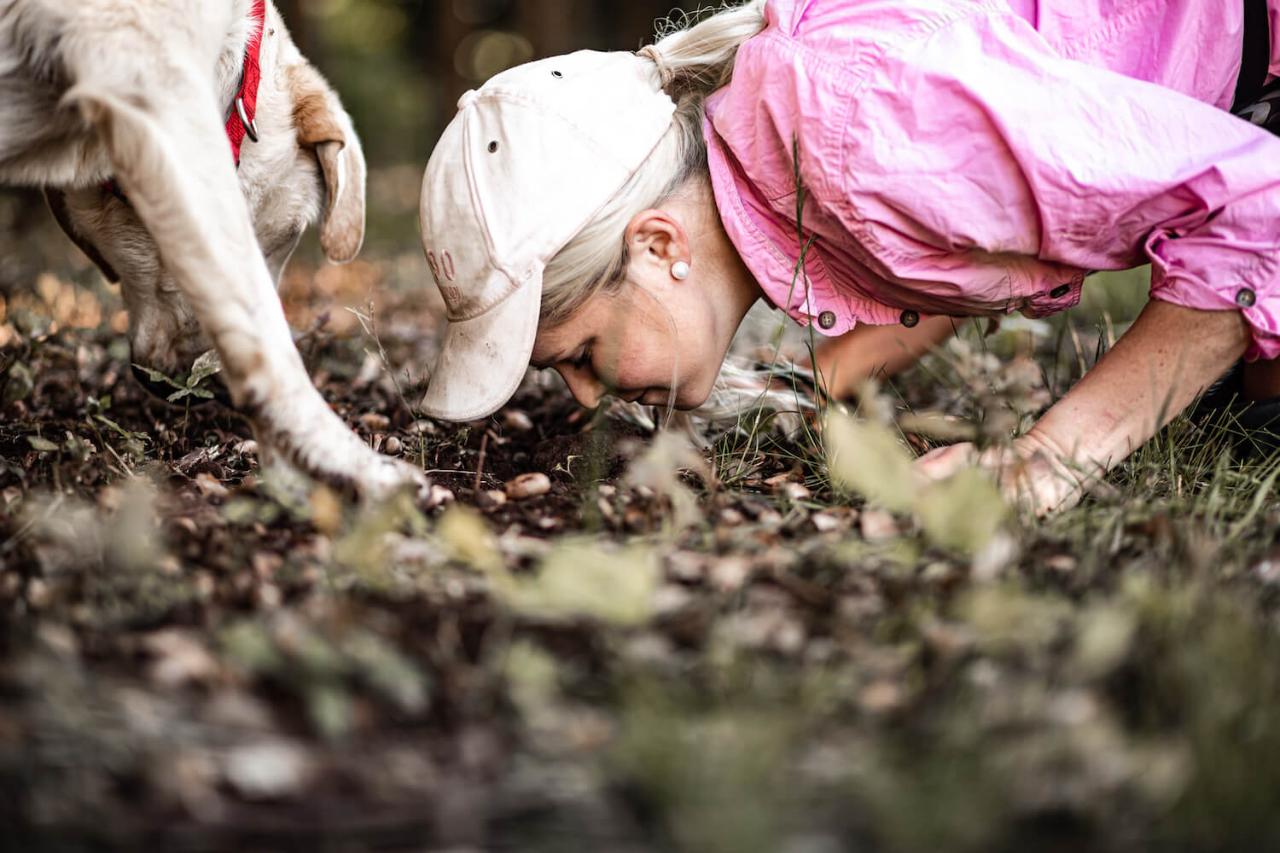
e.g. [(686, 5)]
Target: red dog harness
[(244, 108)]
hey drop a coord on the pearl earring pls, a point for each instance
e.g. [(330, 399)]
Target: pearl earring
[(680, 270)]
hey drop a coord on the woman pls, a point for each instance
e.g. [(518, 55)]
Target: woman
[(867, 162)]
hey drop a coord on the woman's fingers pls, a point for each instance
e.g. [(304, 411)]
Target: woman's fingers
[(1028, 476), (942, 462)]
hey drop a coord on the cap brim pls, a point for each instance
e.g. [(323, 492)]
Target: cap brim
[(484, 359)]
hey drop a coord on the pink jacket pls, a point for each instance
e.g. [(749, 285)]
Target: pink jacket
[(975, 157)]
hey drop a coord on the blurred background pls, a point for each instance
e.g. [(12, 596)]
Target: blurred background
[(401, 64)]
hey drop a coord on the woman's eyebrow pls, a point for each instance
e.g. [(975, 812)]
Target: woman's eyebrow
[(539, 364)]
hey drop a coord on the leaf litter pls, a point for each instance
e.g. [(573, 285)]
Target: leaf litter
[(778, 642)]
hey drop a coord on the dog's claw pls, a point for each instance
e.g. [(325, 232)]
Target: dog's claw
[(388, 477)]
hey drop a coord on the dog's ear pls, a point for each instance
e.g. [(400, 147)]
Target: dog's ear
[(58, 205), (324, 127)]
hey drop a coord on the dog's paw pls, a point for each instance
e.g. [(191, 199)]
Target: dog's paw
[(385, 477)]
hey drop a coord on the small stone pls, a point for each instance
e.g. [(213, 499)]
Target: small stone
[(210, 487), (796, 492), (879, 526), (439, 496), (825, 522), (528, 486), (1061, 563), (205, 585), (779, 481), (730, 573), (10, 584), (266, 771), (607, 512), (1268, 570), (266, 564), (493, 498), (38, 594), (936, 573), (247, 448), (180, 659), (947, 641), (686, 566), (269, 596), (392, 446), (769, 519), (670, 599), (517, 421), (375, 422), (789, 637), (732, 518), (881, 697)]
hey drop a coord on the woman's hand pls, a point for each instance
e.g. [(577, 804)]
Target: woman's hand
[(1030, 472), (1168, 356)]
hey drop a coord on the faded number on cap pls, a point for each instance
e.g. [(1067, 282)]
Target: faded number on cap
[(442, 267)]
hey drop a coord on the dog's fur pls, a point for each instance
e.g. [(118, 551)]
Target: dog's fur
[(137, 91)]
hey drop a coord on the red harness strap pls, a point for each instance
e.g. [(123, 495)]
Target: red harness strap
[(240, 120), (241, 123)]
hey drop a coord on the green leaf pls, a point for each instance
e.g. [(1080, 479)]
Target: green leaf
[(18, 383), (206, 365), (198, 393), (44, 445), (157, 376), (962, 513), (583, 580), (869, 460), (467, 535), (121, 431)]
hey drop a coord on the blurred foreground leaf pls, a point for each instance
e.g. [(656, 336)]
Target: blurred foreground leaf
[(869, 460), (583, 579), (962, 513)]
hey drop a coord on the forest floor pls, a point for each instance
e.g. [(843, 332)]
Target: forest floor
[(657, 648)]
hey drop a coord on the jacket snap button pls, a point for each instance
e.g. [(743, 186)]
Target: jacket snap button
[(1060, 291), (1246, 298), (910, 319), (827, 319)]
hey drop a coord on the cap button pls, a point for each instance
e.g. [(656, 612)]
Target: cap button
[(467, 98), (1246, 298), (827, 319)]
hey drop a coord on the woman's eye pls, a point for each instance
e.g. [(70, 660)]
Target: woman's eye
[(583, 361)]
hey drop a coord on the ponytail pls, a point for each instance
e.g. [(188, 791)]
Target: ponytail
[(695, 59)]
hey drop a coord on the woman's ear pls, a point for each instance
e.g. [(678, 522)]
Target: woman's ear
[(655, 236)]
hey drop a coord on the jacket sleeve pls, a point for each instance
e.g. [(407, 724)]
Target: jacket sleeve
[(979, 138)]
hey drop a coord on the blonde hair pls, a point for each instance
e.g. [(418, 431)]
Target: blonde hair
[(691, 60)]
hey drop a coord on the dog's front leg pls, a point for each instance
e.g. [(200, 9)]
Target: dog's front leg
[(170, 154)]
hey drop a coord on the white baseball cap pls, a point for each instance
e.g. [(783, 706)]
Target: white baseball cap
[(527, 162)]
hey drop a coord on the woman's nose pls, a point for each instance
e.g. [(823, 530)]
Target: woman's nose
[(585, 389)]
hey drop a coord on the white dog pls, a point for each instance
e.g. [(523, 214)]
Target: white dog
[(150, 124)]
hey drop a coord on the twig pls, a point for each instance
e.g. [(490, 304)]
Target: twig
[(484, 449)]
